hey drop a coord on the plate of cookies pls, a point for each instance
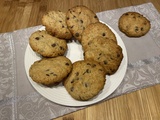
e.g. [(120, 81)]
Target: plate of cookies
[(75, 59)]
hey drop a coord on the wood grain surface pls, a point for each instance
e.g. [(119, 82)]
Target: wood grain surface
[(140, 105)]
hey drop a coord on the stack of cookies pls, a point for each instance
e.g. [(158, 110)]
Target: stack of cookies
[(83, 79)]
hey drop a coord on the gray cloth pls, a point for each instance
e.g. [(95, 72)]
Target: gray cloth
[(19, 100)]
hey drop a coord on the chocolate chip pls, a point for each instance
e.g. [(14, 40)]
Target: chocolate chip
[(47, 74), (77, 34), (86, 85), (67, 64), (136, 29), (100, 70), (72, 81), (67, 18), (72, 26), (81, 21), (95, 16), (61, 48), (37, 38), (118, 55), (62, 26), (126, 14), (88, 64), (60, 21), (84, 54), (94, 65), (105, 62), (71, 89), (142, 28), (54, 44), (103, 34), (77, 73), (87, 71)]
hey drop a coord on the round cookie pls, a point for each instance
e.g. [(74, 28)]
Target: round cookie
[(86, 80), (94, 30), (78, 18), (50, 71), (106, 52), (55, 24), (134, 24), (47, 45)]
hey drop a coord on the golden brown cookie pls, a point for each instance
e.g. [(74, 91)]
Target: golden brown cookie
[(86, 80), (55, 24), (134, 24), (50, 71), (47, 45), (106, 52), (78, 18), (94, 30)]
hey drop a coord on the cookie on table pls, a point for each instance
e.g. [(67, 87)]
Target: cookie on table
[(94, 30), (106, 52), (78, 18), (50, 71), (55, 24), (47, 45), (134, 24), (86, 80)]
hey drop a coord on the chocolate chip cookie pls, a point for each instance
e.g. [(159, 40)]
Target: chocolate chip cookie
[(47, 45), (86, 80), (106, 52), (96, 29), (55, 24), (134, 24), (78, 18), (50, 71)]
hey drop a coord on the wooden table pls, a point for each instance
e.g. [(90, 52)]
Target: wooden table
[(140, 105)]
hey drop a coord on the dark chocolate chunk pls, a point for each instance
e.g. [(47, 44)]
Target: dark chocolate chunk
[(37, 38), (54, 44)]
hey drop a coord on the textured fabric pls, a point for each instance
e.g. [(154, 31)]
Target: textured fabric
[(19, 100)]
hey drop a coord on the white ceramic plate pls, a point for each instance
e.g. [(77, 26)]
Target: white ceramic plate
[(58, 94)]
